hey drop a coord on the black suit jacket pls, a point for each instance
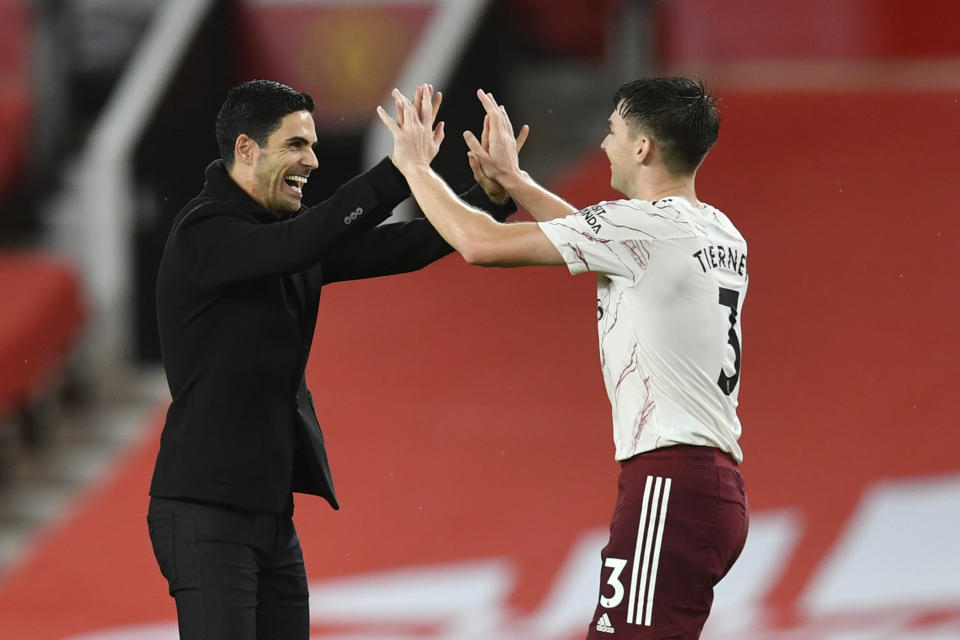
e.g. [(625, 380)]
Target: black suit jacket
[(237, 297)]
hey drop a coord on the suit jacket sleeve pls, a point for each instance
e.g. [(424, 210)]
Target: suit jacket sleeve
[(402, 246), (221, 243)]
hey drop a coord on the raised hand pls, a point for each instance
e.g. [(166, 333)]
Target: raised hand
[(414, 142), (494, 190), (494, 158), (417, 101)]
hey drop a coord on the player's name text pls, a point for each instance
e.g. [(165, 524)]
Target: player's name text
[(721, 257)]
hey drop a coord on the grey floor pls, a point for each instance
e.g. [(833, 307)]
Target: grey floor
[(78, 444)]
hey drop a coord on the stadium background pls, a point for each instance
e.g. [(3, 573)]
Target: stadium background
[(468, 427)]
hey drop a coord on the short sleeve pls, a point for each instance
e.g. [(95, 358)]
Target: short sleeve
[(603, 239)]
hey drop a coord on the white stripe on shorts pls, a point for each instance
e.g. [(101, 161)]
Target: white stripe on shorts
[(653, 515), (656, 549)]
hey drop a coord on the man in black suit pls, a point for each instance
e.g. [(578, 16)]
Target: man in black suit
[(237, 296)]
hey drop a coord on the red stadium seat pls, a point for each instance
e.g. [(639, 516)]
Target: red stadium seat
[(41, 315)]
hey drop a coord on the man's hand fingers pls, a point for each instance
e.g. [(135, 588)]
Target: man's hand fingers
[(438, 133), (398, 100), (418, 101), (475, 147), (405, 109), (474, 162), (477, 168), (399, 107), (437, 99), (424, 103), (411, 114), (485, 134), (506, 116), (490, 186), (486, 99), (522, 138), (498, 110), (403, 104), (418, 96), (505, 121), (388, 121), (472, 143), (496, 116)]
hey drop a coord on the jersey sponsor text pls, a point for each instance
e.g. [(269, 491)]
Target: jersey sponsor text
[(590, 216)]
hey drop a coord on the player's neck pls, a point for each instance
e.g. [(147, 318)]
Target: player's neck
[(243, 176), (657, 187)]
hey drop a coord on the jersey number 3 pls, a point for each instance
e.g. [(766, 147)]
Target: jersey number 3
[(730, 298)]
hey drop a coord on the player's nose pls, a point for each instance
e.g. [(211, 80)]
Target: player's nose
[(311, 159)]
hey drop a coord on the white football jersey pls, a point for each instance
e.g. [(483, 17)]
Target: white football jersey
[(671, 280)]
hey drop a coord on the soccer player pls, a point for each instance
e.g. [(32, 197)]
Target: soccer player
[(671, 280)]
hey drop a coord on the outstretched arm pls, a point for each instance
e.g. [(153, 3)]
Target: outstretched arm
[(496, 157), (476, 236)]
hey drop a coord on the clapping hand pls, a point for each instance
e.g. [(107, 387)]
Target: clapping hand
[(496, 155), (415, 140)]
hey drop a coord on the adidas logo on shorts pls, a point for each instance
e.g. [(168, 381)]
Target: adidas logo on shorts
[(603, 624)]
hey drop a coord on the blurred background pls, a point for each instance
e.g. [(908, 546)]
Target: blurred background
[(468, 428)]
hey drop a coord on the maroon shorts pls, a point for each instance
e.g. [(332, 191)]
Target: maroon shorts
[(679, 525)]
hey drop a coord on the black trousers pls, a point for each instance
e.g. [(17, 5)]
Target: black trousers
[(235, 574)]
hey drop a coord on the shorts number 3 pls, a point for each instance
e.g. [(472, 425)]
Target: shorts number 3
[(617, 564)]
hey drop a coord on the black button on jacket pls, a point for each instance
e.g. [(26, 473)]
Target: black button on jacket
[(237, 297)]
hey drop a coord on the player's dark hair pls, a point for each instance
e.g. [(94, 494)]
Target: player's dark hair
[(256, 108), (678, 113)]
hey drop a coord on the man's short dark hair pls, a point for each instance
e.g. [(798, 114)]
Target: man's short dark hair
[(678, 113), (256, 108)]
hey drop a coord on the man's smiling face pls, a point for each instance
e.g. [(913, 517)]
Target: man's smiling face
[(621, 147), (284, 163)]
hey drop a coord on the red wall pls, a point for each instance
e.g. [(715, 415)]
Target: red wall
[(737, 30)]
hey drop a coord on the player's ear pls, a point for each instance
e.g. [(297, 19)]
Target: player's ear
[(644, 149), (245, 149)]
